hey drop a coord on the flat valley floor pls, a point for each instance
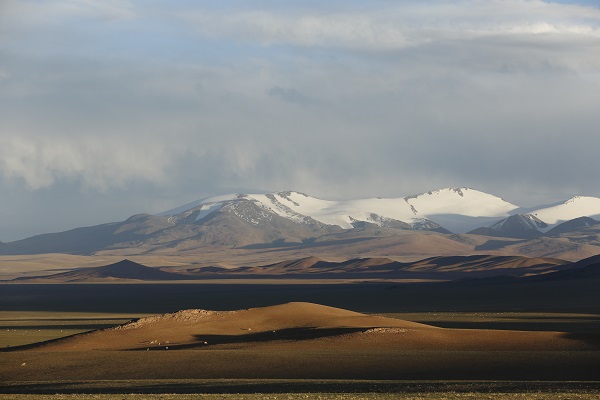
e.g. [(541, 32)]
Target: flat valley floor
[(294, 366)]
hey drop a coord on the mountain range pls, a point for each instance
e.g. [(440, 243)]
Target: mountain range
[(464, 216)]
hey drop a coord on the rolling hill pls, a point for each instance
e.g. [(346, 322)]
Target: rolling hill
[(122, 270), (298, 325), (435, 268)]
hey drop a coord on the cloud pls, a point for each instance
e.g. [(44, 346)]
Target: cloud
[(395, 26), (25, 12), (290, 95), (100, 163)]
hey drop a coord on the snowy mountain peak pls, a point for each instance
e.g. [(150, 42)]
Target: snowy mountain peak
[(578, 199), (526, 221), (444, 208), (449, 190), (463, 201), (459, 210), (575, 207)]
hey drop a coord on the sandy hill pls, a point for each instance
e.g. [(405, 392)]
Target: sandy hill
[(299, 325)]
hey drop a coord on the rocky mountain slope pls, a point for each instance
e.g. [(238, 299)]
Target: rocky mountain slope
[(295, 219)]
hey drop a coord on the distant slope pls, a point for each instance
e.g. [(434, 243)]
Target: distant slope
[(569, 247), (574, 225), (129, 233), (520, 226), (487, 265), (435, 268), (586, 269), (125, 269)]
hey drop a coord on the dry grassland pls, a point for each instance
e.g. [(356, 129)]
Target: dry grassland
[(315, 396), (25, 327)]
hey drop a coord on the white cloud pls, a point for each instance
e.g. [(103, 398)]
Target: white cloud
[(399, 25), (48, 10), (100, 163)]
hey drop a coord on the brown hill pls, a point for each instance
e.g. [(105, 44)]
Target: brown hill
[(488, 265), (440, 268), (305, 264), (434, 268), (297, 326), (124, 269), (587, 269), (571, 247)]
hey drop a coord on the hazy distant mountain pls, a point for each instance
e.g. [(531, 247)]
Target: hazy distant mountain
[(284, 218), (576, 224), (521, 226), (131, 232)]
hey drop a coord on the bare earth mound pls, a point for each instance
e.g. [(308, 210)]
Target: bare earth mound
[(294, 341), (301, 325)]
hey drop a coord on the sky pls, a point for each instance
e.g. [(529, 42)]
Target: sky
[(110, 108)]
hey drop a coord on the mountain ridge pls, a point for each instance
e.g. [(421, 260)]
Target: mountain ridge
[(290, 218)]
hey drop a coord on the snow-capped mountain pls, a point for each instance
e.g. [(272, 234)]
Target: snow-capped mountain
[(297, 219), (456, 209), (578, 206)]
